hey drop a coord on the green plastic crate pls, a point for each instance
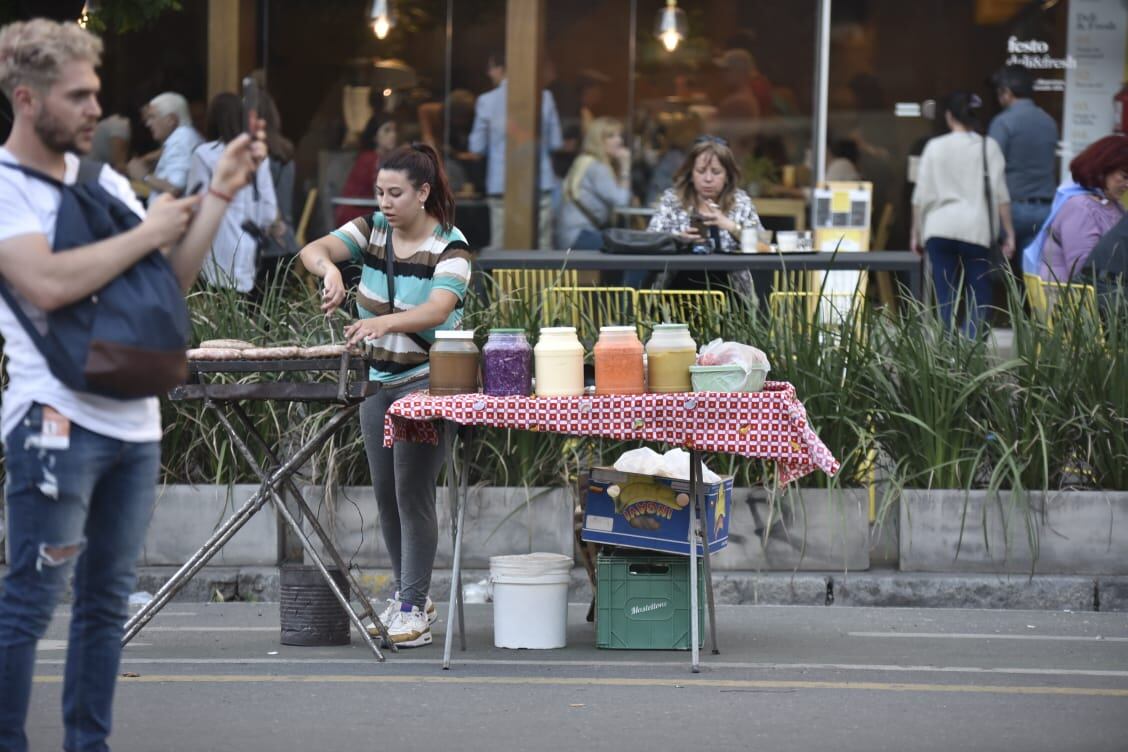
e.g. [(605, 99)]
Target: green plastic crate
[(642, 602)]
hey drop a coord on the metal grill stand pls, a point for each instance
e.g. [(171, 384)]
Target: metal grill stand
[(277, 478)]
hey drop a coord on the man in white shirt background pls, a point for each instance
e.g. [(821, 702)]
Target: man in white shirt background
[(170, 122), (81, 468)]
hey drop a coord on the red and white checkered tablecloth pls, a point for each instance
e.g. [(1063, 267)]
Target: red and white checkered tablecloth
[(771, 424)]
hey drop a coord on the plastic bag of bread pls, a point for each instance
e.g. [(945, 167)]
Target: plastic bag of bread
[(721, 353)]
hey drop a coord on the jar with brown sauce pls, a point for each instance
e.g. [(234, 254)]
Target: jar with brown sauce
[(454, 363)]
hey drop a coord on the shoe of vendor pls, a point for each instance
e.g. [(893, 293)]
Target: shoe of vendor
[(410, 629), (393, 608)]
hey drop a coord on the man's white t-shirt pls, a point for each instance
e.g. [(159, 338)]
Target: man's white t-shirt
[(30, 206)]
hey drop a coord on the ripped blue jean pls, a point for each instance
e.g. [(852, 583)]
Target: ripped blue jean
[(83, 509)]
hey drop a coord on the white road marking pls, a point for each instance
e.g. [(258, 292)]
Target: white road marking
[(216, 628), (395, 660), (989, 636)]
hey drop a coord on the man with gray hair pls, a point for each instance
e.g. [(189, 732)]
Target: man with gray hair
[(81, 467), (169, 121)]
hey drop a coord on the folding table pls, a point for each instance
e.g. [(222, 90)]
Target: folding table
[(350, 388), (770, 424)]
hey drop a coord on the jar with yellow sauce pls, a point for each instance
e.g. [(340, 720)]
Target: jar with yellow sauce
[(558, 361), (669, 354), (618, 361)]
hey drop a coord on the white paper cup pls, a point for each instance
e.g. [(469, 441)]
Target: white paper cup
[(787, 240)]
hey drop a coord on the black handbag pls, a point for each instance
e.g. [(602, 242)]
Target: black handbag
[(639, 242)]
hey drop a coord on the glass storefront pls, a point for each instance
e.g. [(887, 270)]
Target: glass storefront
[(744, 72)]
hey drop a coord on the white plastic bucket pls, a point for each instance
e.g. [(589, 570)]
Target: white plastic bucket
[(530, 600)]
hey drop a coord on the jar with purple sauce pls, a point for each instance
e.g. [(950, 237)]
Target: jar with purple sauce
[(507, 363)]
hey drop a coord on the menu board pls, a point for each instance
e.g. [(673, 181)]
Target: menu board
[(1097, 39), (842, 222)]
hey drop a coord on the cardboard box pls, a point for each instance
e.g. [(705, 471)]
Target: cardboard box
[(651, 512)]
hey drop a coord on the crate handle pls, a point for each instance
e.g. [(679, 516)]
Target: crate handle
[(649, 568)]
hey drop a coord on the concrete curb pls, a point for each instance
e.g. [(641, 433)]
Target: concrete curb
[(876, 588), (871, 588)]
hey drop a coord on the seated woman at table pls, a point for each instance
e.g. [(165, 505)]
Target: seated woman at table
[(397, 322), (1101, 173), (707, 208), (377, 140), (599, 180)]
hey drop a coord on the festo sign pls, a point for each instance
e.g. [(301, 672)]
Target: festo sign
[(1034, 54)]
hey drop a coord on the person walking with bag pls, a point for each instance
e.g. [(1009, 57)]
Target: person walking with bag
[(959, 202), (414, 278), (81, 466)]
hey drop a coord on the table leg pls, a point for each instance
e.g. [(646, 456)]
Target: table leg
[(456, 534), (225, 531), (270, 486), (694, 627), (467, 443), (310, 517), (311, 552), (699, 504), (289, 547), (194, 564)]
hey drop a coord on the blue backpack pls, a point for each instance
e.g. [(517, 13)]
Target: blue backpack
[(128, 339)]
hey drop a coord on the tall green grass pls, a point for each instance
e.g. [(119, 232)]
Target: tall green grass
[(901, 396)]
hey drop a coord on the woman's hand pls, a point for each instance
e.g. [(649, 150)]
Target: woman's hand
[(914, 241), (363, 329), (690, 236), (1008, 245), (714, 217), (332, 289), (239, 161)]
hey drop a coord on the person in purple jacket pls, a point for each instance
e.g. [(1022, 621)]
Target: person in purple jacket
[(1102, 169)]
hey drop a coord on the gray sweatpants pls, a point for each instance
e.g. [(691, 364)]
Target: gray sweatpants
[(403, 478)]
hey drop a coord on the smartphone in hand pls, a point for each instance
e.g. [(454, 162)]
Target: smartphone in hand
[(250, 104), (697, 224)]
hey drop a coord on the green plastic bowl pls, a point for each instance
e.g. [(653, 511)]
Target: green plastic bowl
[(727, 378)]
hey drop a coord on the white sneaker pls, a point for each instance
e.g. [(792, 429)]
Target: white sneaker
[(410, 629), (393, 608)]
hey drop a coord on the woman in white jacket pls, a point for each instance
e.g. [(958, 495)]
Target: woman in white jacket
[(950, 212)]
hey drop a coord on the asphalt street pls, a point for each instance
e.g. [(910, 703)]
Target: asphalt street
[(207, 676)]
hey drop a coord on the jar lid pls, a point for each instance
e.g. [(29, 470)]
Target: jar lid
[(671, 327), (507, 331), (558, 330), (454, 334), (618, 329)]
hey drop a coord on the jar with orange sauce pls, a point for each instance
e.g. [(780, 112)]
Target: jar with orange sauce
[(618, 361)]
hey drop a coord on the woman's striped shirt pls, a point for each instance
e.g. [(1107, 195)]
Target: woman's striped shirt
[(441, 263)]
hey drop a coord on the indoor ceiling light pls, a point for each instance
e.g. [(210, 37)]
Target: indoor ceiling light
[(381, 18), (672, 26), (89, 8)]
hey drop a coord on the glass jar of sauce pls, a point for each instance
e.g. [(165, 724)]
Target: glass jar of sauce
[(507, 363), (454, 363), (618, 361), (559, 362), (669, 354)]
